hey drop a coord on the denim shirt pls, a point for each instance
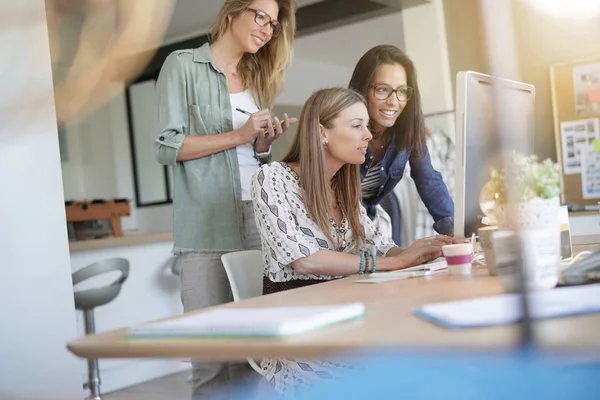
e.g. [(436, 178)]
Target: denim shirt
[(428, 181), (193, 99)]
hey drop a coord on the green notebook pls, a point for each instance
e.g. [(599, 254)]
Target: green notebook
[(250, 322)]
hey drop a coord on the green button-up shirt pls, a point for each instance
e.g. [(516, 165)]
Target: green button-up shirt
[(193, 99)]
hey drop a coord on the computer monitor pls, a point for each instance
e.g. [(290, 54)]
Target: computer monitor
[(481, 102)]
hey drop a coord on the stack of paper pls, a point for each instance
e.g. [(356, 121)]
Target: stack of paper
[(270, 321), (505, 309), (383, 277)]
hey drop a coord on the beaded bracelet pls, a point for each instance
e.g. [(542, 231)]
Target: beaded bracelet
[(367, 261), (361, 269), (373, 256)]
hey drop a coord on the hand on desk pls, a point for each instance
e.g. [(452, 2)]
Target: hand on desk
[(424, 250), (459, 240)]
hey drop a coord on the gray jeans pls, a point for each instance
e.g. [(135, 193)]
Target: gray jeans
[(204, 283)]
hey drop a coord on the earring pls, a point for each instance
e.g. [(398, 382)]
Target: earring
[(326, 142)]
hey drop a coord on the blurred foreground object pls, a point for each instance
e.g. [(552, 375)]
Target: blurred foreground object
[(96, 42), (425, 374), (503, 61), (571, 9)]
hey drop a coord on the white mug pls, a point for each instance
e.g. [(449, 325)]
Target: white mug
[(458, 258)]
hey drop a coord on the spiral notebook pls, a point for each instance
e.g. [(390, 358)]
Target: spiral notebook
[(250, 322)]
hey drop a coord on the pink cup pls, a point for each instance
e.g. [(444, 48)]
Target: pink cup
[(458, 258)]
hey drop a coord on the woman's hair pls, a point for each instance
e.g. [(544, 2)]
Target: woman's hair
[(263, 72), (409, 129), (307, 149)]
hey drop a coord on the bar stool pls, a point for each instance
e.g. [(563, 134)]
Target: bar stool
[(87, 300)]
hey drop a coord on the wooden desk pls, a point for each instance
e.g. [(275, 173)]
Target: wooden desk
[(389, 324)]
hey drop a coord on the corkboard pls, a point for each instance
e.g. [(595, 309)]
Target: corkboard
[(564, 109)]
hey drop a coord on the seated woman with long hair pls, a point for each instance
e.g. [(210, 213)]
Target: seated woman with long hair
[(312, 225)]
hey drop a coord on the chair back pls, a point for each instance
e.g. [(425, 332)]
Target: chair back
[(245, 273)]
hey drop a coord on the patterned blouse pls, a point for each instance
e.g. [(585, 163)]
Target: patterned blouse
[(288, 234)]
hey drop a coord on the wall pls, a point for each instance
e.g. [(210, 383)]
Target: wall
[(546, 39), (304, 76), (37, 313), (426, 45), (464, 35), (89, 170), (542, 40), (281, 146)]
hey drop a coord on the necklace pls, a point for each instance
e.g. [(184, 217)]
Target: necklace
[(376, 145), (340, 232), (227, 69)]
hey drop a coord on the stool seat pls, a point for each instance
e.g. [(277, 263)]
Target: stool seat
[(91, 298), (87, 300)]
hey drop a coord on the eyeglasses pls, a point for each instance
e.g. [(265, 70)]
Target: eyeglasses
[(383, 92), (263, 19)]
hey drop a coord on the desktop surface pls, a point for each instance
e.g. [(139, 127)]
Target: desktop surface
[(389, 324)]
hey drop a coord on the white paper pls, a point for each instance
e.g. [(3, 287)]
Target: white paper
[(505, 309), (586, 85), (387, 279), (435, 265), (590, 173), (577, 136)]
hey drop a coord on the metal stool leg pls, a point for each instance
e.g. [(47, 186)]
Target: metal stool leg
[(93, 371)]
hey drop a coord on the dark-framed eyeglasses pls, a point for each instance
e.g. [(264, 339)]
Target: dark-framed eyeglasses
[(263, 19), (383, 92)]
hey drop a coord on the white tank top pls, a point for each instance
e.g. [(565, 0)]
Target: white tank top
[(245, 152)]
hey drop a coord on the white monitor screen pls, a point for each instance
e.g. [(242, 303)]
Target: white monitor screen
[(484, 102)]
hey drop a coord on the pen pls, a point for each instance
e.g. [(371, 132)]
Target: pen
[(249, 114), (243, 111)]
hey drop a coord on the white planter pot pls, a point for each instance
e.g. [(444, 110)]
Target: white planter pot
[(537, 221)]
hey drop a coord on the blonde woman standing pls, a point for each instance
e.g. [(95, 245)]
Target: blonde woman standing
[(215, 150)]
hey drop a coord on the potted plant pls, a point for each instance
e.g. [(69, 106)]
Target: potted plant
[(535, 195), (525, 197)]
